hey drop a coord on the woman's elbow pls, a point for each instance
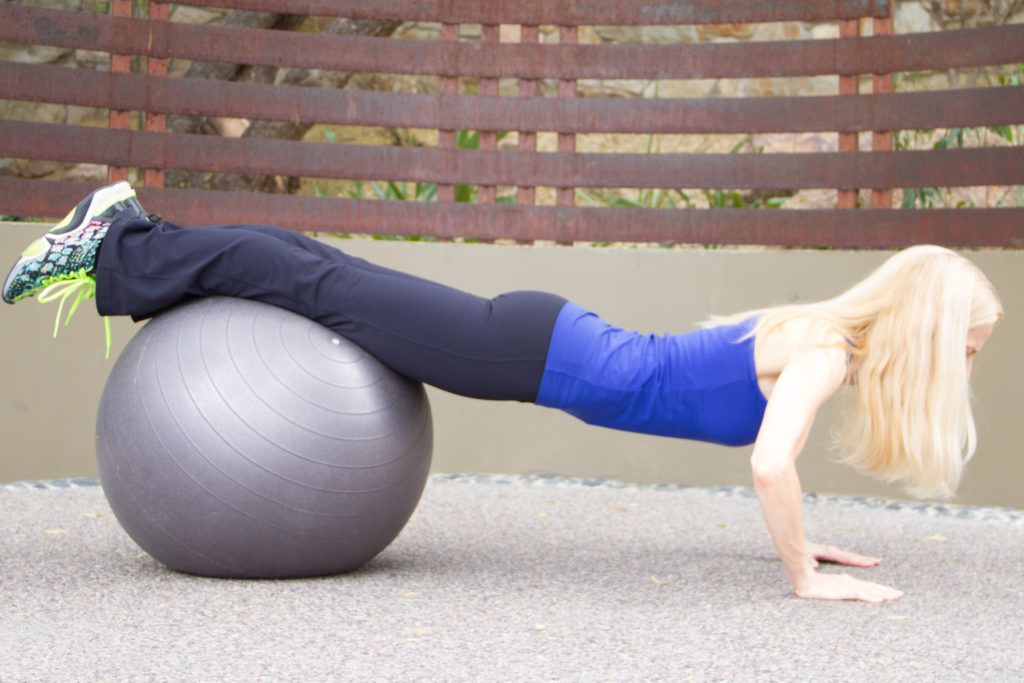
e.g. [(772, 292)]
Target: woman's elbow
[(769, 475)]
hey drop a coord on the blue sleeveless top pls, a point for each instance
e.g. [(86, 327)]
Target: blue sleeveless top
[(701, 385)]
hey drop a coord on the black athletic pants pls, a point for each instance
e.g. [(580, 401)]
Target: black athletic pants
[(465, 344)]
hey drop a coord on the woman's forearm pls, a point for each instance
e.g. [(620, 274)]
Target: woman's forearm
[(778, 490), (780, 496)]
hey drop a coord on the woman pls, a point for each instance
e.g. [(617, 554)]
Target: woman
[(904, 339)]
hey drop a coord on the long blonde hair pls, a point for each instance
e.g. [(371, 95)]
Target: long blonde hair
[(906, 328)]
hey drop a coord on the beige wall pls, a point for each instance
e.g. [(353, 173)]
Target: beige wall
[(52, 387)]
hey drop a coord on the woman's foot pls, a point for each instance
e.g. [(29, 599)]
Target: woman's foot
[(68, 252)]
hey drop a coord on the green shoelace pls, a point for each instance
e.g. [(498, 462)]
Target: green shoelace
[(81, 285)]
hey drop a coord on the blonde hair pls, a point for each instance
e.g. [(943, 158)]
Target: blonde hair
[(906, 328)]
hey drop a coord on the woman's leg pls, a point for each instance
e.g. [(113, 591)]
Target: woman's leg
[(469, 345)]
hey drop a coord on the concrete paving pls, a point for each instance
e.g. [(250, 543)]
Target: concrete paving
[(523, 579)]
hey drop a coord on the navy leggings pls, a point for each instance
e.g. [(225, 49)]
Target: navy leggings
[(469, 345)]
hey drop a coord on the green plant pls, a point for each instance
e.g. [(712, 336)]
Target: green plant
[(471, 140), (423, 192), (953, 138), (657, 198), (426, 192), (415, 191), (957, 138)]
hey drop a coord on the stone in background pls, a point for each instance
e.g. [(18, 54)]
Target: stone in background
[(911, 17)]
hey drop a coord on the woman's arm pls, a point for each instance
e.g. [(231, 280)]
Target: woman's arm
[(801, 389)]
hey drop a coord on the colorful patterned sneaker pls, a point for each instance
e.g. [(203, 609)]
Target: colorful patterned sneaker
[(68, 252), (60, 264)]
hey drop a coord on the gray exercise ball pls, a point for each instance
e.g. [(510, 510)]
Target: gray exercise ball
[(237, 439)]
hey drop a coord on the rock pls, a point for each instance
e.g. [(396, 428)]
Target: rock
[(709, 32), (825, 31), (86, 173), (795, 143), (35, 168), (957, 8), (86, 116), (913, 18), (31, 54), (36, 112), (195, 15), (652, 35), (790, 30), (589, 87), (92, 59)]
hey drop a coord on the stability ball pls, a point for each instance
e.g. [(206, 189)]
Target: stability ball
[(237, 439)]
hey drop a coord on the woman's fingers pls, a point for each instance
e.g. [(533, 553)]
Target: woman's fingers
[(876, 592), (846, 587), (828, 553), (869, 591)]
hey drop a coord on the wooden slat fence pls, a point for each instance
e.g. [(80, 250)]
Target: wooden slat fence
[(451, 59)]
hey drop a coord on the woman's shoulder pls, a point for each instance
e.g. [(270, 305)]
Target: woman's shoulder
[(800, 339)]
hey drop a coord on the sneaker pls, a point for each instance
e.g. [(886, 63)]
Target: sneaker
[(68, 252)]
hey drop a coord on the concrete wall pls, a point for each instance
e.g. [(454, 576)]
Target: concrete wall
[(52, 387)]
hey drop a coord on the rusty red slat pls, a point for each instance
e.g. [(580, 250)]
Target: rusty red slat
[(568, 12), (876, 54), (931, 168), (864, 228), (995, 106)]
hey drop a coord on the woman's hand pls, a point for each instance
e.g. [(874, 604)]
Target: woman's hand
[(830, 553), (845, 587)]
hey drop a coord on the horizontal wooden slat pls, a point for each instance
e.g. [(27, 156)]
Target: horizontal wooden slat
[(861, 228), (878, 54), (138, 92), (568, 12), (931, 168)]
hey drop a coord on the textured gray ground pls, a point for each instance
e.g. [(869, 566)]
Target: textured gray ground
[(523, 579)]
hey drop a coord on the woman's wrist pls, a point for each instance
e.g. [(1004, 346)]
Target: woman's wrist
[(802, 574)]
